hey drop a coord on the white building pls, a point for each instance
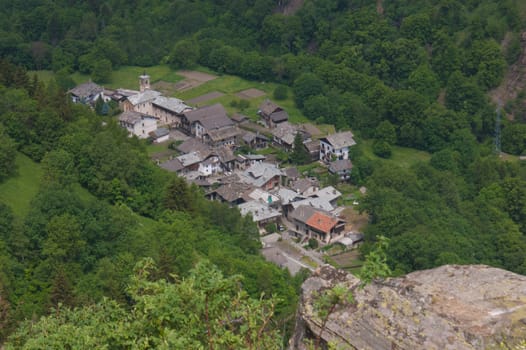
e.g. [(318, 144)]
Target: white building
[(138, 124), (336, 146)]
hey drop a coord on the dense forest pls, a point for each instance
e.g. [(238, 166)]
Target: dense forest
[(417, 74)]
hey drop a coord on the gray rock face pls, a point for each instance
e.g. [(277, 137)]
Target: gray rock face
[(448, 308)]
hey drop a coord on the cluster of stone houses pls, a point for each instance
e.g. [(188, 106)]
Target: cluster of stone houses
[(257, 185)]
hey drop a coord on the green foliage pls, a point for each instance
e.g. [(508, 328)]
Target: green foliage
[(299, 155), (271, 227), (382, 149), (313, 243), (375, 265), (205, 309), (7, 155), (184, 54)]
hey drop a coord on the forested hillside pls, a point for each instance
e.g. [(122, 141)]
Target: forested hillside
[(408, 73)]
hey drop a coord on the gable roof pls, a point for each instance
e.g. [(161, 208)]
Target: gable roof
[(86, 90), (142, 97), (159, 132), (288, 196), (132, 117), (233, 191), (171, 104), (303, 184), (268, 107), (192, 158), (340, 139), (312, 146), (173, 165), (225, 154), (285, 132), (211, 117), (302, 213), (322, 222), (225, 133), (340, 165), (192, 145), (279, 116), (260, 173), (317, 203), (329, 193), (258, 210), (239, 118)]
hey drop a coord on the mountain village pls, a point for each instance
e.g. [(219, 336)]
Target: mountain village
[(281, 201)]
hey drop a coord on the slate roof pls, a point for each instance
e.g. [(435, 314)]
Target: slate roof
[(159, 132), (286, 132), (322, 222), (279, 116), (302, 213), (211, 117), (173, 165), (258, 210), (143, 97), (303, 185), (262, 196), (191, 158), (192, 145), (268, 107), (132, 117), (249, 136), (86, 90), (340, 165), (223, 133), (225, 154), (318, 203), (260, 173), (329, 193), (292, 173), (254, 156), (341, 139), (239, 118), (312, 146), (171, 104), (233, 191), (288, 196)]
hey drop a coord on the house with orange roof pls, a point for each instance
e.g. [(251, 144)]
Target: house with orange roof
[(312, 223)]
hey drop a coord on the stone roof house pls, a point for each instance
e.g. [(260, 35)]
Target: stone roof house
[(272, 114), (86, 93), (336, 146), (342, 168), (138, 124), (263, 175), (261, 213), (199, 121)]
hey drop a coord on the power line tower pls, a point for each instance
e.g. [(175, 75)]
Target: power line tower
[(497, 128)]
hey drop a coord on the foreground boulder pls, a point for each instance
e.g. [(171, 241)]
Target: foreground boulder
[(449, 307)]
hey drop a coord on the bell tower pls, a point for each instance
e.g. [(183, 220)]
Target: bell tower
[(144, 82)]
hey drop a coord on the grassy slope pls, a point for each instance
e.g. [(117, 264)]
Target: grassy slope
[(18, 191), (401, 156)]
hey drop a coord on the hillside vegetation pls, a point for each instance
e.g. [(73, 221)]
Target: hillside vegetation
[(409, 78)]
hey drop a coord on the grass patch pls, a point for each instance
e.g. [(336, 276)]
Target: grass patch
[(18, 191), (402, 156), (230, 85), (44, 76)]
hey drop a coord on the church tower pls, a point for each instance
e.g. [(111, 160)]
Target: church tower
[(144, 82)]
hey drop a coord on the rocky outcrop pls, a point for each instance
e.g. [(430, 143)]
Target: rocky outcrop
[(449, 307)]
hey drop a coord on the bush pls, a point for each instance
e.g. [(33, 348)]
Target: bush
[(313, 243), (281, 92), (271, 227), (382, 149)]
